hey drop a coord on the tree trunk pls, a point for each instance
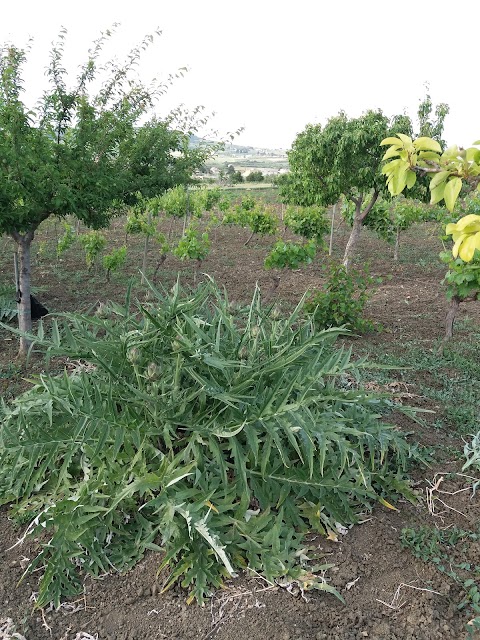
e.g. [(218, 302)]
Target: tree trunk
[(358, 219), (352, 241), (330, 246), (451, 315), (397, 245), (24, 289)]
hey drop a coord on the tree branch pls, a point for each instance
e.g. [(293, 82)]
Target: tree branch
[(370, 205)]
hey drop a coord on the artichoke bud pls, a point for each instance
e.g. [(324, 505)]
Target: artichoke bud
[(243, 353), (153, 371), (134, 355)]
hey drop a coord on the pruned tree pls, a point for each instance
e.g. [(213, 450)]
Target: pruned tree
[(79, 152), (341, 159)]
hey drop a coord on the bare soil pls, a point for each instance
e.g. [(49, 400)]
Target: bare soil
[(389, 594)]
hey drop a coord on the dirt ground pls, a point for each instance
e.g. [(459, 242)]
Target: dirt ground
[(389, 594)]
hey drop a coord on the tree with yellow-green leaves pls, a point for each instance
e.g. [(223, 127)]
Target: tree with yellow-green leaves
[(449, 172)]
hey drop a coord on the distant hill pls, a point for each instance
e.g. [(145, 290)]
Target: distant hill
[(239, 149)]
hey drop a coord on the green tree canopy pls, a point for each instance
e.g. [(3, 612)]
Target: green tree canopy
[(343, 158), (78, 152)]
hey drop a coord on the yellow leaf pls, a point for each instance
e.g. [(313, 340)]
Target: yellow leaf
[(458, 242), (472, 227), (405, 139), (452, 189), (390, 166), (394, 141), (451, 228), (390, 153), (467, 220), (427, 144), (428, 155), (411, 179), (387, 504), (332, 536), (437, 193), (399, 179), (469, 245), (439, 177), (211, 506), (473, 155)]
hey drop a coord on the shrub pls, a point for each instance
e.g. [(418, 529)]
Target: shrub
[(342, 300), (255, 176), (218, 439), (193, 245), (236, 177), (174, 202), (260, 218), (93, 244), (114, 260), (309, 222), (67, 240), (290, 255), (462, 279)]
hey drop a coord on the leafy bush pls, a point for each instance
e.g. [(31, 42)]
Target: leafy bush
[(256, 215), (462, 278), (67, 240), (193, 245), (342, 300), (93, 244), (290, 255), (218, 439), (174, 202), (309, 222), (255, 176), (140, 223), (235, 177), (114, 260), (204, 200)]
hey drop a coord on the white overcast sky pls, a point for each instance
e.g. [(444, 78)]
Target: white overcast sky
[(272, 66)]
